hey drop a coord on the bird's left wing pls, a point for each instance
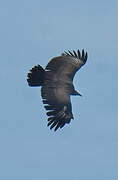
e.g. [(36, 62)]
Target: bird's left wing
[(57, 103)]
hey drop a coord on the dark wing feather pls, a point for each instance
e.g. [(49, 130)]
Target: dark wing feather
[(58, 106), (67, 65)]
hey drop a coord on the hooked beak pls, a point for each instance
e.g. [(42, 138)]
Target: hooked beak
[(76, 93), (79, 94)]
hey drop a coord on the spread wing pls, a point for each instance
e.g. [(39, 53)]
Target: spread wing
[(58, 87), (65, 66), (57, 103)]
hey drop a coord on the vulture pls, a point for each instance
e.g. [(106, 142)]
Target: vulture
[(56, 82)]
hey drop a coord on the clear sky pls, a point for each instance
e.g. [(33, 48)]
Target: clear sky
[(31, 33)]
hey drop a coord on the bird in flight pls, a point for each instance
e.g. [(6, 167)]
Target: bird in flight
[(56, 82)]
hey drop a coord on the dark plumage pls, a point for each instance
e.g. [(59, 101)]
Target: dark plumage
[(57, 85)]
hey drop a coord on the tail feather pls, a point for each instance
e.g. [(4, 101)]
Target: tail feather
[(36, 76)]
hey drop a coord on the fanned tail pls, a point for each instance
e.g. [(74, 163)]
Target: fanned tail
[(36, 76)]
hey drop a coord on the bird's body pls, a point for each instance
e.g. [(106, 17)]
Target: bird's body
[(57, 85)]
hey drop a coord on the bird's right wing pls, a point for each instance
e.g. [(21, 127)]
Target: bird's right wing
[(64, 67)]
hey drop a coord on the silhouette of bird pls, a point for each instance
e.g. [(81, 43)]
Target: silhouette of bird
[(56, 82)]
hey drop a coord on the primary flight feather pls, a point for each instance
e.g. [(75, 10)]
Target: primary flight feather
[(57, 85)]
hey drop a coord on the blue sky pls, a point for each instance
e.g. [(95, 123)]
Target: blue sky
[(32, 32)]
